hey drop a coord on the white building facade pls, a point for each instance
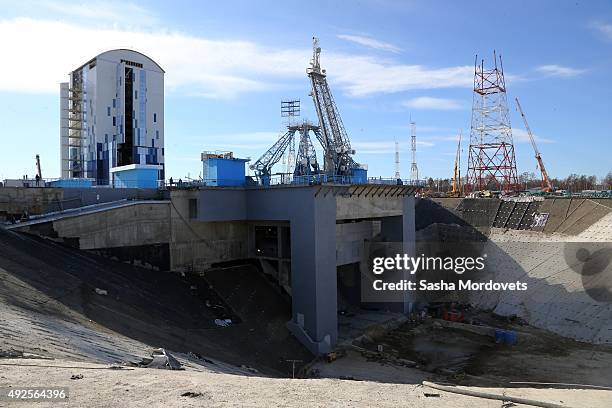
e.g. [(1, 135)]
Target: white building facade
[(112, 121)]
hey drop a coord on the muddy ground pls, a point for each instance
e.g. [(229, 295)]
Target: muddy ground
[(460, 356)]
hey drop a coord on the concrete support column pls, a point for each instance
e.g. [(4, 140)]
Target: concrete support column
[(313, 274), (402, 229)]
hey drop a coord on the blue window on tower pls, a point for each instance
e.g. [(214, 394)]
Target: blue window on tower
[(157, 134), (106, 138), (155, 118), (114, 103), (108, 110), (114, 121), (135, 94)]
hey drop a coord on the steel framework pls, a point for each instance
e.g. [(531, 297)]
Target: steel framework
[(306, 161), (330, 134), (290, 109), (491, 160), (334, 138)]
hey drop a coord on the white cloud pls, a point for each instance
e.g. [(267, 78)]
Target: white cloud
[(364, 75), (48, 50), (427, 102), (521, 136), (604, 28), (42, 52), (559, 70), (370, 42)]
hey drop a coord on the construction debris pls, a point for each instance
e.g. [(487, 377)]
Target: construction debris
[(160, 358), (223, 322), (487, 395)]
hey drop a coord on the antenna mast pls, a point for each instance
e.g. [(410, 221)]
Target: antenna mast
[(397, 161), (290, 109), (414, 170)]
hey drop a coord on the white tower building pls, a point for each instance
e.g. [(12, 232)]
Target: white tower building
[(112, 121)]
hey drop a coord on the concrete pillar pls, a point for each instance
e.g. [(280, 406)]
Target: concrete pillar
[(402, 229), (313, 274)]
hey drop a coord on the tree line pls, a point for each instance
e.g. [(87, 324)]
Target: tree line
[(573, 183)]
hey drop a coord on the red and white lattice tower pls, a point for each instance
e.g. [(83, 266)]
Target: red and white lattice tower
[(491, 161)]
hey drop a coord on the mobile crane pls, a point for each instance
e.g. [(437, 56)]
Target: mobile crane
[(546, 184)]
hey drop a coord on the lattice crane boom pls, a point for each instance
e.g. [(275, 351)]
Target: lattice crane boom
[(335, 141), (263, 165), (546, 184)]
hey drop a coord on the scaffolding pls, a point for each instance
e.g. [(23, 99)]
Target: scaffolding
[(73, 125)]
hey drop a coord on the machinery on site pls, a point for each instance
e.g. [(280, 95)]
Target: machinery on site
[(457, 169), (306, 161), (547, 186), (338, 164)]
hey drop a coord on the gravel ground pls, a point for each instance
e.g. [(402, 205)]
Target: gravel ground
[(142, 387)]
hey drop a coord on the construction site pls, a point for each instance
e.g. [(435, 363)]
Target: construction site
[(253, 284)]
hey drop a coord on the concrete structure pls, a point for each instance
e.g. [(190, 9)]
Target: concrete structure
[(312, 214), (14, 201), (300, 234), (112, 116)]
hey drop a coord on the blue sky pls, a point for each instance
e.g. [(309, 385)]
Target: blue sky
[(229, 64)]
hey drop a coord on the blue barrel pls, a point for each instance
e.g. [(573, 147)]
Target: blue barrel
[(499, 336)]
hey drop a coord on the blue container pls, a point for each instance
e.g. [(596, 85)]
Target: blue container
[(499, 336), (225, 172), (510, 337), (359, 176)]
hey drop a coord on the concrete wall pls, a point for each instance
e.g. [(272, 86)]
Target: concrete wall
[(195, 244), (14, 200), (139, 224), (368, 207), (569, 216), (350, 239), (560, 296)]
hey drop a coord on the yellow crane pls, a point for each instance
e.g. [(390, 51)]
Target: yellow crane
[(457, 170), (546, 185)]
